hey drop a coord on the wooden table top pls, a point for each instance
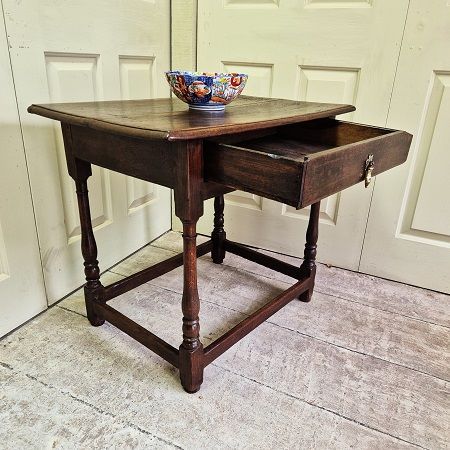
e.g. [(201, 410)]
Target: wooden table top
[(170, 119)]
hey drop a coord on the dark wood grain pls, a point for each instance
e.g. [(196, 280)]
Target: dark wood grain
[(93, 289), (139, 333), (187, 174), (339, 168), (188, 208), (149, 161), (331, 131), (308, 266), (218, 234), (260, 173), (171, 119), (191, 349)]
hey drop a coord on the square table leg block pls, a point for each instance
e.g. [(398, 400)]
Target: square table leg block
[(191, 365)]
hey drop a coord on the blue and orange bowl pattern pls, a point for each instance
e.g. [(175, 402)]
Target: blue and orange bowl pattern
[(207, 91)]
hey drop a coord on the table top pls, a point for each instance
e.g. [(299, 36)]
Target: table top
[(170, 119)]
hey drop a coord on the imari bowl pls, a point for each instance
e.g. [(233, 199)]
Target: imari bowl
[(206, 91)]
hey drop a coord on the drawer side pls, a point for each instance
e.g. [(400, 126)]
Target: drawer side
[(259, 173)]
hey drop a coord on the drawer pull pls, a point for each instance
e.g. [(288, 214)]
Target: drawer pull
[(368, 168)]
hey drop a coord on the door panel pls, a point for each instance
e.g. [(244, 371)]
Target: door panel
[(22, 293), (316, 50), (408, 232), (82, 51), (73, 78), (335, 85), (137, 77), (137, 80)]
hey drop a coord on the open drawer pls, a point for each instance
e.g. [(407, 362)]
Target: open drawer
[(302, 163)]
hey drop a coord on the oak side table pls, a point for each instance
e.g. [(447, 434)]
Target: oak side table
[(293, 152)]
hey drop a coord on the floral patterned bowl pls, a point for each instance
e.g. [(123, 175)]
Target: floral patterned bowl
[(206, 91)]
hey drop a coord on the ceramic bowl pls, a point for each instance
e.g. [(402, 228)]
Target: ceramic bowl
[(206, 91)]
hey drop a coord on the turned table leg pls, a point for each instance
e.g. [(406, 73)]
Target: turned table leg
[(308, 267), (191, 349), (189, 208), (93, 289), (218, 235)]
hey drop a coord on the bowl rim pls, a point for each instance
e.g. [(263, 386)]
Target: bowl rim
[(205, 74)]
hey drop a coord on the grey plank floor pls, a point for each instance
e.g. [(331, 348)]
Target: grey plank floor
[(365, 365)]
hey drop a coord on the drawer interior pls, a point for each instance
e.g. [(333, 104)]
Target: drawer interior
[(295, 142)]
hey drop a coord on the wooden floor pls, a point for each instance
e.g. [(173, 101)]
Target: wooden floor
[(365, 365)]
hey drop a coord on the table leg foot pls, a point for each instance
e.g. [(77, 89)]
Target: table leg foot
[(95, 320), (218, 235), (89, 295), (191, 368), (308, 267), (306, 296)]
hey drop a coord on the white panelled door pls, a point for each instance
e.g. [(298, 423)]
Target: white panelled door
[(22, 294), (318, 50), (408, 233), (85, 50)]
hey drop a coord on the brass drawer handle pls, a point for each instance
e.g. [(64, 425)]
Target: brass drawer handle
[(368, 168)]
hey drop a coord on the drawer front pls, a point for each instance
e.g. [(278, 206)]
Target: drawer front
[(333, 171), (304, 163)]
